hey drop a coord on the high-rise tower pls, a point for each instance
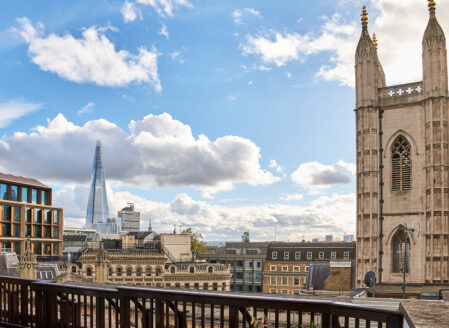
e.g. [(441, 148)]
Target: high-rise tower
[(403, 165), (97, 206)]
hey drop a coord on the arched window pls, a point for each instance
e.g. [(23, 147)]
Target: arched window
[(129, 272), (119, 272), (172, 269), (110, 272), (209, 269), (89, 272), (401, 164), (192, 269), (74, 269), (398, 253), (148, 271), (138, 271)]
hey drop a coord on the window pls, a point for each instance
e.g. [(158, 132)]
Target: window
[(286, 255), (273, 281), (37, 248), (119, 272), (148, 272), (55, 248), (214, 286), (284, 291), (321, 255), (284, 281), (158, 272), (251, 252), (231, 251), (186, 285), (296, 268), (110, 271), (74, 269), (307, 268), (400, 164), (17, 213), (333, 255), (223, 286), (297, 255), (6, 230), (89, 272), (3, 191), (309, 255), (177, 285), (37, 216), (196, 286), (129, 272), (43, 197), (55, 232), (28, 214), (296, 281), (34, 196), (14, 193), (272, 268), (55, 217), (172, 269), (205, 286), (37, 231), (285, 268), (274, 255), (47, 248), (191, 270), (210, 269), (47, 232), (258, 264), (24, 195), (139, 272), (346, 255), (6, 212), (399, 251), (273, 291)]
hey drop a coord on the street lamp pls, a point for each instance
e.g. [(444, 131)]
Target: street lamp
[(405, 258)]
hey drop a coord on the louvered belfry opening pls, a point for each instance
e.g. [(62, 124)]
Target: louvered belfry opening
[(401, 165)]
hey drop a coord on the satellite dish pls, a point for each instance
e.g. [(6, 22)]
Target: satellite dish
[(370, 278)]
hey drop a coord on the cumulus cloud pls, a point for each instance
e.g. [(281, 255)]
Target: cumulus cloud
[(291, 197), (326, 215), (165, 7), (317, 175), (15, 109), (130, 12), (399, 43), (158, 151), (89, 59), (164, 31), (86, 109), (238, 14)]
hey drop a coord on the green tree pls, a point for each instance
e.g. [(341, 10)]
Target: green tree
[(197, 244)]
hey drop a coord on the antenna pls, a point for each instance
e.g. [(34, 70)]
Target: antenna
[(275, 230)]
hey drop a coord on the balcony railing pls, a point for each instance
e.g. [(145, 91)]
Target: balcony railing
[(34, 303)]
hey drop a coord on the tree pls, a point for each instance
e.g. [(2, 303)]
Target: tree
[(196, 244)]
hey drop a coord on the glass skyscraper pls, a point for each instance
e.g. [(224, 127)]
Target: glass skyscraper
[(97, 207)]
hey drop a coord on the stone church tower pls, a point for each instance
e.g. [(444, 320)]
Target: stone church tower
[(403, 165)]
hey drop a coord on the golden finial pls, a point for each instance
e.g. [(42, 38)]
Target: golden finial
[(364, 15), (374, 40), (432, 4)]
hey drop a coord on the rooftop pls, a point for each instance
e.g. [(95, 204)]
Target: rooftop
[(22, 180)]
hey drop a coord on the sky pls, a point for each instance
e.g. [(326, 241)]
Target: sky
[(222, 116)]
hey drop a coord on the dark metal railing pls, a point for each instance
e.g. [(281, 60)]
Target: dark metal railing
[(34, 303)]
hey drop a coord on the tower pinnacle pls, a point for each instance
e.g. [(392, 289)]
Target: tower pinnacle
[(364, 16), (431, 4), (374, 40)]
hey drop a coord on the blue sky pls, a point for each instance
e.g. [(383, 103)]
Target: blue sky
[(225, 116)]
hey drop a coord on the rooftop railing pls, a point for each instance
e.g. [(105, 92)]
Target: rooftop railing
[(33, 303)]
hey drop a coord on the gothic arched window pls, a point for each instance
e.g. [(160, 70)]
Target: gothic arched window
[(89, 272), (401, 165), (398, 252)]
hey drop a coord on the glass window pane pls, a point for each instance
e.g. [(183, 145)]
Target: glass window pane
[(37, 216), (47, 232), (47, 248), (6, 230), (47, 216), (55, 248), (17, 247), (16, 230), (25, 194), (43, 197), (28, 230), (55, 217), (37, 248), (17, 213), (14, 193), (37, 231), (7, 245), (28, 214), (3, 191), (55, 232), (34, 196), (6, 212)]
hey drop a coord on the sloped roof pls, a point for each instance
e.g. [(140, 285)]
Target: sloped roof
[(22, 180)]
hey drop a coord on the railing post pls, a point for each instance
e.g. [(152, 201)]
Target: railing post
[(24, 305), (124, 312), (233, 317), (159, 313), (50, 312), (326, 320), (13, 306), (99, 312)]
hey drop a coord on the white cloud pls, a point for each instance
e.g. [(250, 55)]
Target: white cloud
[(130, 12), (289, 75), (174, 54), (250, 82), (15, 109), (86, 109), (91, 58), (291, 197), (164, 31), (232, 97), (159, 151), (333, 214), (351, 167), (165, 7), (274, 165), (317, 175), (399, 44), (238, 14)]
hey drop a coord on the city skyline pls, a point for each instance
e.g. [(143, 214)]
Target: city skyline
[(195, 135)]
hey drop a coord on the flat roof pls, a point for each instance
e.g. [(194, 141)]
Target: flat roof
[(21, 180)]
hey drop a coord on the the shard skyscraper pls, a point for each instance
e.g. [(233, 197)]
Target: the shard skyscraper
[(97, 216)]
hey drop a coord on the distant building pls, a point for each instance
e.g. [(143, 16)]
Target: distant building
[(348, 238), (97, 214), (287, 264), (315, 240), (246, 262), (130, 219), (328, 237), (26, 210)]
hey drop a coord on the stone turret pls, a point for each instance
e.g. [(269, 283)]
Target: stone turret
[(434, 57), (380, 70), (366, 68), (28, 263), (101, 265)]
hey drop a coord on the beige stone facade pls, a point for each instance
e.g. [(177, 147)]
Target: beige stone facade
[(403, 166)]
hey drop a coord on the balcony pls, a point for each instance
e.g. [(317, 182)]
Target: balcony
[(34, 303)]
